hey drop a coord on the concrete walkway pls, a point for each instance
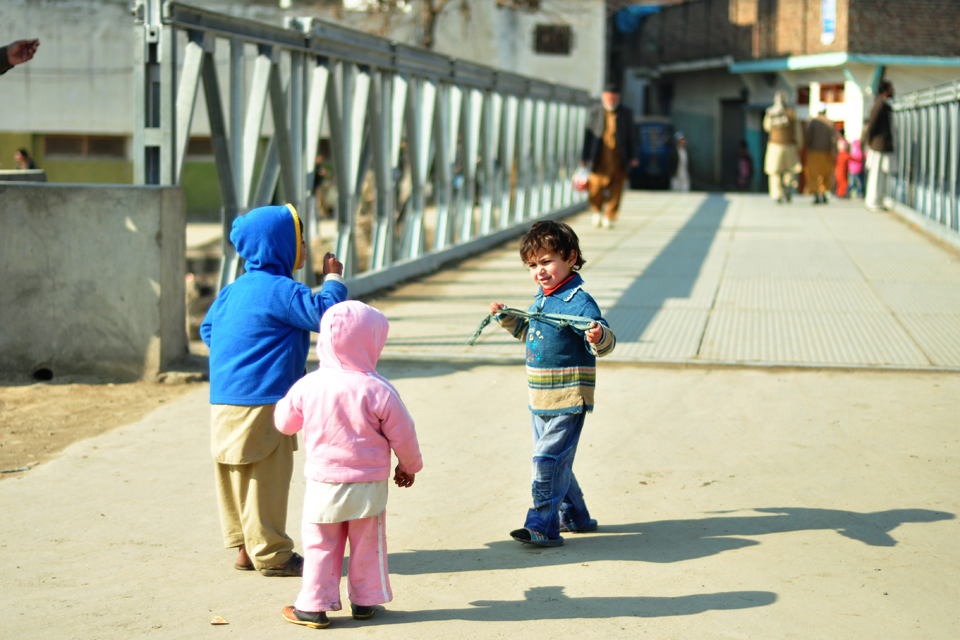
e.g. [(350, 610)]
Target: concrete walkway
[(734, 502), (722, 279)]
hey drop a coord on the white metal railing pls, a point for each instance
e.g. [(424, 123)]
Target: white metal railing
[(928, 149), (516, 140)]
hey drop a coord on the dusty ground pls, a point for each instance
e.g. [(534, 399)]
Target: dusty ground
[(733, 503), (39, 420)]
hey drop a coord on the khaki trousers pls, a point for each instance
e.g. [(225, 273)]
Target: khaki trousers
[(253, 505), (779, 183), (597, 184)]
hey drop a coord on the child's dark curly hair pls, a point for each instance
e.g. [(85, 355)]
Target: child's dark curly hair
[(557, 237)]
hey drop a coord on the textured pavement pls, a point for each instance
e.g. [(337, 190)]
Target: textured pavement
[(730, 278)]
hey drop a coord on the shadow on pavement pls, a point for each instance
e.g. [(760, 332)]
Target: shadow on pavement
[(666, 540), (550, 603), (672, 274), (397, 367)]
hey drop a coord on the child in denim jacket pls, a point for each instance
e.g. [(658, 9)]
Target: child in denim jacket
[(561, 374)]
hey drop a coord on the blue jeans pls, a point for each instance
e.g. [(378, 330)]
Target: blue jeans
[(556, 494), (856, 183)]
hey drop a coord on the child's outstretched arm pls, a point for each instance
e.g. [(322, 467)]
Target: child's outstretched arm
[(516, 326), (305, 309), (288, 414), (599, 339)]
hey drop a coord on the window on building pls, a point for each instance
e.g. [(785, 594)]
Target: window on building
[(553, 39), (80, 146), (831, 93), (200, 148), (803, 95)]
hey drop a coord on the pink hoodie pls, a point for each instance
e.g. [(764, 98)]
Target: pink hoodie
[(350, 416)]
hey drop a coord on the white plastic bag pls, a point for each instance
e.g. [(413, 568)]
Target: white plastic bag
[(580, 178)]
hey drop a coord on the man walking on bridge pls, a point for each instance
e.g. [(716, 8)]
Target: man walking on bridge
[(881, 161), (609, 150)]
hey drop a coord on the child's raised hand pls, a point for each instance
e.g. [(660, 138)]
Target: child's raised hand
[(331, 264), (402, 478), (594, 333), (496, 306)]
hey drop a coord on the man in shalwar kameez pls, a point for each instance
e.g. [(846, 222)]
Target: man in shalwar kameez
[(610, 151), (783, 159)]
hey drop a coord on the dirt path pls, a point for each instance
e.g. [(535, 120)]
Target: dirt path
[(40, 420)]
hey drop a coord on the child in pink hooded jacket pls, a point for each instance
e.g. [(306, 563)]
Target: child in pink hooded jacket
[(351, 419)]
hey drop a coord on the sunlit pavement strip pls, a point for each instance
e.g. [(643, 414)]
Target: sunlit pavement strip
[(720, 279)]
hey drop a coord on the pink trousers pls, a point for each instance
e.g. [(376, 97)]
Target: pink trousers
[(368, 580)]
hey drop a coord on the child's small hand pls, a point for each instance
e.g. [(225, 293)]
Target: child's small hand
[(595, 333), (402, 478), (496, 306), (331, 264)]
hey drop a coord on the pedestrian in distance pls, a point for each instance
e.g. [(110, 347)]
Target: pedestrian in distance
[(744, 167), (609, 151), (17, 53), (782, 161), (855, 166), (679, 164), (23, 161), (881, 161), (841, 167), (258, 332), (561, 376), (820, 139), (351, 419)]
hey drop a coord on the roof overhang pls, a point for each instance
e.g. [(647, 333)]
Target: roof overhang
[(822, 60), (722, 62)]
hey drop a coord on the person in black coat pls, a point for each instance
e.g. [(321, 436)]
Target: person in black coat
[(881, 161), (610, 151)]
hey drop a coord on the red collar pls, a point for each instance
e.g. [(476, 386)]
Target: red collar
[(547, 292)]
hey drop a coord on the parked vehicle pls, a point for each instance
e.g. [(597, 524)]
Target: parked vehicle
[(656, 136)]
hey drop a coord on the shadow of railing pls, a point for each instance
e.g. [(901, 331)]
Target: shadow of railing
[(551, 603), (667, 541), (672, 274)]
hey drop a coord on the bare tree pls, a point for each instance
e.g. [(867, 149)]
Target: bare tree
[(384, 15)]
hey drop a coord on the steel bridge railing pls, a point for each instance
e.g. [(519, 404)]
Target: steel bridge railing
[(483, 150), (928, 149)]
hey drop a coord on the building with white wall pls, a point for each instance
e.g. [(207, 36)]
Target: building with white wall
[(72, 106)]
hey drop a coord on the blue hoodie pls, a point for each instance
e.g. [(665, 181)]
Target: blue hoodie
[(258, 329)]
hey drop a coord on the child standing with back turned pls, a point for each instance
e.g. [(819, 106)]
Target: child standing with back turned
[(561, 374), (351, 418), (258, 331)]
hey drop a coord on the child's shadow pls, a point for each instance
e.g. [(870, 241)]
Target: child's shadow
[(550, 603), (667, 541)]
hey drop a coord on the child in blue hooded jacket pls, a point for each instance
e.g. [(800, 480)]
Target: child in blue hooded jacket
[(258, 331)]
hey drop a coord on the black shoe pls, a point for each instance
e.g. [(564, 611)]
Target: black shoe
[(292, 569), (529, 536), (316, 620), (362, 613)]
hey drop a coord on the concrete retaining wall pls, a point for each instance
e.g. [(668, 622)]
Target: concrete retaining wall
[(91, 279)]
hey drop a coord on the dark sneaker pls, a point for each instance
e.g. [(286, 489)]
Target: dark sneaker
[(316, 620), (589, 527), (292, 569), (362, 613), (529, 536)]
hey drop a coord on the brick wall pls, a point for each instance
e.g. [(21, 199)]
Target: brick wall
[(754, 29), (905, 27), (693, 30)]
